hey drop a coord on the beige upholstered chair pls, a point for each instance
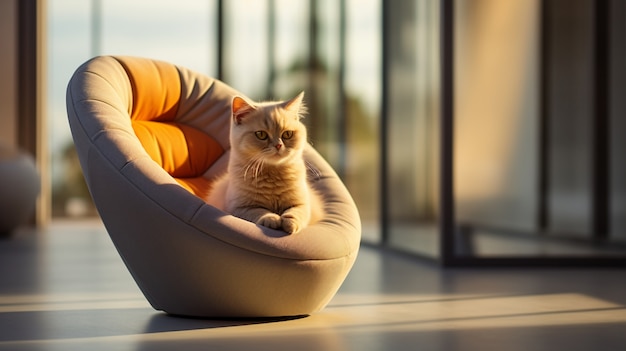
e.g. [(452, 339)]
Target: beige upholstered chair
[(150, 136)]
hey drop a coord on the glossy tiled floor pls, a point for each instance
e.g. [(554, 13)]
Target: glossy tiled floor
[(66, 289)]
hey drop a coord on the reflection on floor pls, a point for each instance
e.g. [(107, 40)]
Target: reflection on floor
[(486, 242), (66, 289)]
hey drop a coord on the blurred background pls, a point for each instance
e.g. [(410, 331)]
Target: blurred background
[(516, 159)]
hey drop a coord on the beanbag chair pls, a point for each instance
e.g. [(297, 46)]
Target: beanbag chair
[(150, 137)]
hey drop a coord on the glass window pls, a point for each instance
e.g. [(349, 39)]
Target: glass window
[(533, 175), (363, 91), (246, 47), (326, 78), (182, 32), (69, 45), (291, 49), (412, 119), (497, 114)]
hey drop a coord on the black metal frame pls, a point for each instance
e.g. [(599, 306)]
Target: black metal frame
[(601, 142), (447, 218), (384, 125)]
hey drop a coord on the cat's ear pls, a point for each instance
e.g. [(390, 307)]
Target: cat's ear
[(240, 108), (296, 105)]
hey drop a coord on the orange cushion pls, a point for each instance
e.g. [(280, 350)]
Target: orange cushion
[(184, 152), (199, 186), (181, 150), (156, 88)]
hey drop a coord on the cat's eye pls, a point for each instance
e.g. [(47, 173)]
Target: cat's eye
[(287, 134), (261, 135)]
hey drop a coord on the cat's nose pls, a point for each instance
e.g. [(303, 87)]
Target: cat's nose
[(278, 146)]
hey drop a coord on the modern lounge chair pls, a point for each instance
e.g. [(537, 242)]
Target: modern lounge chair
[(150, 137)]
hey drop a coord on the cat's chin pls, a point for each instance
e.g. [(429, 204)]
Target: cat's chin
[(277, 159)]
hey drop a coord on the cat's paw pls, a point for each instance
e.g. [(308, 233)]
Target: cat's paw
[(291, 224), (270, 220)]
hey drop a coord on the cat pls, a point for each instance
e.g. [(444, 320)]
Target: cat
[(266, 181)]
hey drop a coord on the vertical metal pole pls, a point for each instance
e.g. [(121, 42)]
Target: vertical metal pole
[(384, 123), (312, 98), (544, 118), (600, 122), (447, 221), (342, 109), (220, 39), (271, 49)]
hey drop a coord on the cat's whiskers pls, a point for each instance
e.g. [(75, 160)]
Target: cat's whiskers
[(259, 167), (250, 165), (314, 171), (254, 166)]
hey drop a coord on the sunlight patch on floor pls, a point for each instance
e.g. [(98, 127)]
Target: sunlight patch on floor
[(475, 311), (348, 313), (70, 302)]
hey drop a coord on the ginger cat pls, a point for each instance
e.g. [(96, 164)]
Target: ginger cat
[(266, 182)]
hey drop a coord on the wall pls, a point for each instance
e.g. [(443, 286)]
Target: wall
[(8, 72), (22, 117)]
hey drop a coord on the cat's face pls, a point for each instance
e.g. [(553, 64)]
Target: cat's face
[(268, 132)]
